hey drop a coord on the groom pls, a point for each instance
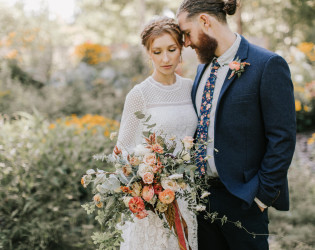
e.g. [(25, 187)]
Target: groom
[(248, 109)]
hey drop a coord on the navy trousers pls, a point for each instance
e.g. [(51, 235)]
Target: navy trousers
[(214, 236)]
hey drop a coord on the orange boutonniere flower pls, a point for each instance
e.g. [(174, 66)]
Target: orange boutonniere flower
[(237, 67)]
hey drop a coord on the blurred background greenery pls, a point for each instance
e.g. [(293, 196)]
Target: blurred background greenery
[(65, 68)]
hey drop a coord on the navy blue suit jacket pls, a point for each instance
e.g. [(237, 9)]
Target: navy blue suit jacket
[(255, 128)]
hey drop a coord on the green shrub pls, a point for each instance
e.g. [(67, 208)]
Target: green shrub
[(40, 191), (295, 228)]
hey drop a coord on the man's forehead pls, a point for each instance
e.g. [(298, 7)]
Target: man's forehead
[(183, 22)]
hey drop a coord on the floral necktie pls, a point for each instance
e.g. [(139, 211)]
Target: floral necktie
[(204, 118)]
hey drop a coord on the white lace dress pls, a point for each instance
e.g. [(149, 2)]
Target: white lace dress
[(172, 111)]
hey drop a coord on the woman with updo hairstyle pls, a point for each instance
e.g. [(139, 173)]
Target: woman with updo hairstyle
[(165, 96)]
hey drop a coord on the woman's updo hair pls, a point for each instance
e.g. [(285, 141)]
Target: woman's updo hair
[(217, 8), (158, 27)]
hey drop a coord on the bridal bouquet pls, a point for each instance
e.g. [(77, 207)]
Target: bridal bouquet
[(149, 179)]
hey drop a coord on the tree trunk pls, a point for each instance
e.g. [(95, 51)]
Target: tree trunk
[(238, 17)]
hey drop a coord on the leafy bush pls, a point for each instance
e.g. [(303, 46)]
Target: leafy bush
[(295, 228), (40, 192)]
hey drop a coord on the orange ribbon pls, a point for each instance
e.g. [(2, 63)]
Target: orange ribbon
[(179, 229)]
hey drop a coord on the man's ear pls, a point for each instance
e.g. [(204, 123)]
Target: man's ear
[(204, 21)]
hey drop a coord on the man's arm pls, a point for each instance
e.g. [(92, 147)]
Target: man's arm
[(278, 111)]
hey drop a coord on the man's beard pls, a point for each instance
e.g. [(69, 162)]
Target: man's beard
[(206, 48)]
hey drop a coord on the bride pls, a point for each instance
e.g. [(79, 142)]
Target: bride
[(166, 97)]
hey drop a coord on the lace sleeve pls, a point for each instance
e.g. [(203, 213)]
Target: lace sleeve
[(130, 126)]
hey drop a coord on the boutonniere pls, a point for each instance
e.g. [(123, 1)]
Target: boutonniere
[(237, 67)]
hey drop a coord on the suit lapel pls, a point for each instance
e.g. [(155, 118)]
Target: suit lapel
[(200, 71), (241, 54)]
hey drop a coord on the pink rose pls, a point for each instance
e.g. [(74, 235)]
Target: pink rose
[(147, 193), (235, 65), (148, 178)]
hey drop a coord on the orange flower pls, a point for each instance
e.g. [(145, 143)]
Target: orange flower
[(82, 181), (97, 198), (157, 148), (125, 189), (147, 193), (99, 205), (167, 196), (136, 204)]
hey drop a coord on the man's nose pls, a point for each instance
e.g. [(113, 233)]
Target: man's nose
[(187, 43)]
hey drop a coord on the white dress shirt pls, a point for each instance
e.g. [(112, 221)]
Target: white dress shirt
[(223, 60)]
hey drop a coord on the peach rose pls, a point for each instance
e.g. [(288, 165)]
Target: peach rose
[(188, 142), (136, 204), (149, 159), (142, 214), (235, 65), (148, 178), (167, 196), (134, 161), (143, 168), (147, 193), (127, 170)]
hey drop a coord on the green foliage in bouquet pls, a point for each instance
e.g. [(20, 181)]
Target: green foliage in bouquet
[(40, 191), (148, 180)]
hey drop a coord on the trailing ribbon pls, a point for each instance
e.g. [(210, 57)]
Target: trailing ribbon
[(179, 229)]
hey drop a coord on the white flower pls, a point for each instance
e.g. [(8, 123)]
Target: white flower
[(109, 184), (204, 194), (200, 208), (186, 156), (118, 166), (141, 150), (188, 142), (100, 178), (161, 207), (143, 168), (90, 171), (112, 135), (169, 184), (175, 176), (126, 200)]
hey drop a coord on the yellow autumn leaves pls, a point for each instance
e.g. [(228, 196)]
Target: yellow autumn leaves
[(308, 49), (92, 53), (90, 122)]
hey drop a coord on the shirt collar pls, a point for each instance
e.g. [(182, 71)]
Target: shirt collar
[(229, 55)]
